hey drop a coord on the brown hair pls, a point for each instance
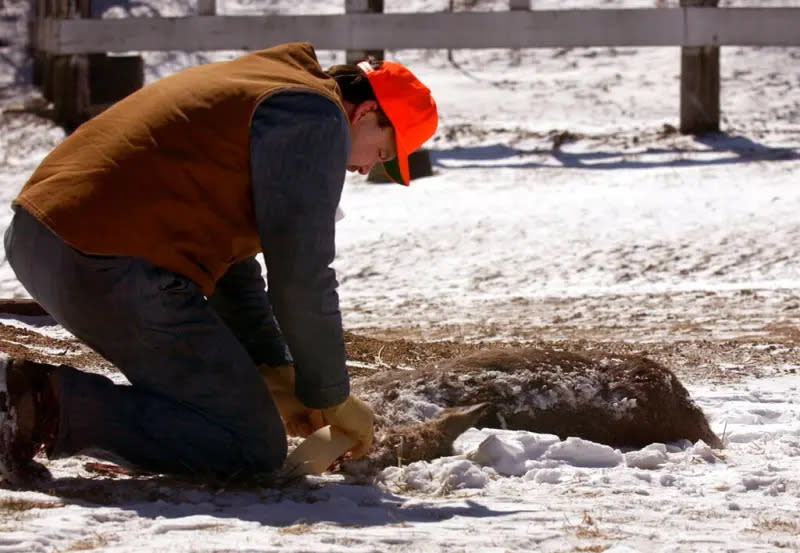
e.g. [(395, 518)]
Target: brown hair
[(355, 86)]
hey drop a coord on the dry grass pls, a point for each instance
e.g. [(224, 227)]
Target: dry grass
[(297, 529), (589, 529), (788, 526), (15, 511), (88, 544), (585, 532), (10, 505)]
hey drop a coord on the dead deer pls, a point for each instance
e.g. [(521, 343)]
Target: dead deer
[(621, 401)]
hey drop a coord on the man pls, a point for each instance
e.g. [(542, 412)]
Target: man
[(138, 234)]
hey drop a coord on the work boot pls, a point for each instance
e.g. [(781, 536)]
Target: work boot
[(28, 419)]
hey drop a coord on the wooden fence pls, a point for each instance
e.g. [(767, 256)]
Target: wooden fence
[(65, 37)]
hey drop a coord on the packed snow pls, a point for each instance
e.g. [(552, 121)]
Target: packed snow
[(563, 207)]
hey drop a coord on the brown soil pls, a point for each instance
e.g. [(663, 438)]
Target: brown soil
[(21, 342), (693, 361)]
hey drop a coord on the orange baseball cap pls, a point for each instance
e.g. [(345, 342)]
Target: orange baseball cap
[(409, 106)]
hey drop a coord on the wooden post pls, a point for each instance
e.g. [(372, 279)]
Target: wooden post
[(39, 57), (419, 162), (518, 5), (207, 7), (71, 97), (48, 9), (80, 86), (362, 6), (68, 85), (699, 83), (111, 78)]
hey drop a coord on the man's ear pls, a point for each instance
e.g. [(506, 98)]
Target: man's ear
[(362, 109)]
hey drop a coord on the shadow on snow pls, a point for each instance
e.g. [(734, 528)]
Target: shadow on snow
[(720, 144), (283, 505)]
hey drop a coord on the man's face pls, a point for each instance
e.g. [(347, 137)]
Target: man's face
[(369, 142)]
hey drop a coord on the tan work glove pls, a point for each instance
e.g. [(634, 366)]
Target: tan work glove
[(354, 418), (298, 419)]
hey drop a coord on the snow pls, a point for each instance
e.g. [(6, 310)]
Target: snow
[(625, 233), (676, 497)]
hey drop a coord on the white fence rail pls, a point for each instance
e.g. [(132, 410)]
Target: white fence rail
[(81, 79), (689, 26)]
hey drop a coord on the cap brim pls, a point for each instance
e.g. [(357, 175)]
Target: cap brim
[(397, 168)]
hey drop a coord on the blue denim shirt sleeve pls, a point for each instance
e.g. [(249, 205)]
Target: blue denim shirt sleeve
[(240, 299), (299, 145)]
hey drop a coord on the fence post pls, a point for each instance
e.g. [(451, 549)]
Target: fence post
[(68, 85), (419, 162), (46, 61), (354, 56), (39, 57), (80, 85), (699, 83), (518, 5), (207, 7), (362, 6)]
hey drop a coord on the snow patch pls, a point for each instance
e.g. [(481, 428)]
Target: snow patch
[(648, 458)]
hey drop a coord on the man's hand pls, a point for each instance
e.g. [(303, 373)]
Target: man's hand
[(298, 419), (354, 418)]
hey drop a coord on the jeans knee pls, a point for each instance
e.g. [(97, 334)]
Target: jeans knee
[(277, 453), (268, 449)]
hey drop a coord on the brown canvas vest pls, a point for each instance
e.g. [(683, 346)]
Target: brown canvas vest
[(164, 174)]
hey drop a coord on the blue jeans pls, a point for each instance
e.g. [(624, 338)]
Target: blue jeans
[(196, 403)]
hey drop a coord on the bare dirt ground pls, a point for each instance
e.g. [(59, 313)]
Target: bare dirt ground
[(742, 333), (694, 361)]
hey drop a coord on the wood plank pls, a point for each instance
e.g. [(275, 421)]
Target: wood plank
[(743, 27), (363, 6), (517, 29), (374, 31), (21, 306), (44, 33), (207, 7)]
